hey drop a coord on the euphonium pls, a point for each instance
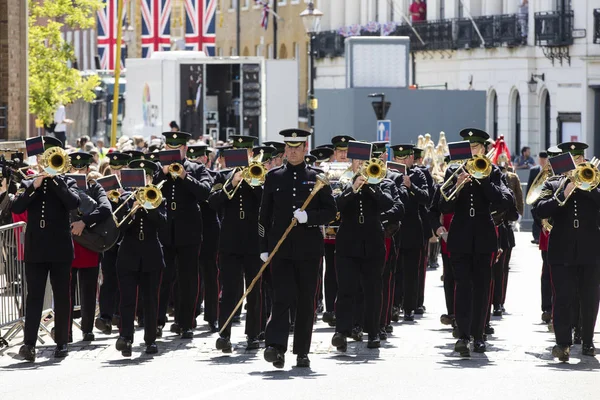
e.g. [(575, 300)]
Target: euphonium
[(585, 176), (536, 187)]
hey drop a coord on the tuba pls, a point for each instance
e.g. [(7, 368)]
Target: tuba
[(536, 187), (585, 177)]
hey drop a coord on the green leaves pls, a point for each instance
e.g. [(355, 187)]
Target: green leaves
[(51, 80)]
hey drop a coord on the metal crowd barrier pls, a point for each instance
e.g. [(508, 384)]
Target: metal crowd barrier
[(12, 281)]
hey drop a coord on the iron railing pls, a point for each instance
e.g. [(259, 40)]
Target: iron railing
[(554, 28)]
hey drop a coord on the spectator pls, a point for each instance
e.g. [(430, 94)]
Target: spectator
[(174, 127), (102, 151), (83, 141), (60, 124), (523, 18), (139, 143), (524, 161), (418, 10)]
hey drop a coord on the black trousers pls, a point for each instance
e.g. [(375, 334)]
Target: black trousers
[(209, 276), (181, 267), (36, 275), (506, 266), (294, 283), (387, 281), (399, 281), (267, 298), (330, 281), (235, 268), (572, 284), (448, 283), (546, 283), (411, 264), (109, 290), (536, 228), (473, 275), (422, 273), (132, 283), (498, 277), (87, 281), (353, 273)]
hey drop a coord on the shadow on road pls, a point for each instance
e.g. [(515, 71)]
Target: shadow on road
[(294, 373), (25, 365), (453, 360)]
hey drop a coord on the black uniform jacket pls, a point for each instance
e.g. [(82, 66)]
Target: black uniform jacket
[(183, 196), (239, 233), (411, 233), (103, 209), (424, 207), (361, 232), (48, 234), (140, 248), (285, 190), (472, 229), (575, 233), (211, 224)]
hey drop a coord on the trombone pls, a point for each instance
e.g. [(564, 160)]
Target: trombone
[(479, 167), (585, 176), (254, 175), (54, 161), (373, 170), (149, 197)]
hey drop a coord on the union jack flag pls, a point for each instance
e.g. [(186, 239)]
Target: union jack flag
[(156, 26), (107, 35), (200, 25), (264, 19)]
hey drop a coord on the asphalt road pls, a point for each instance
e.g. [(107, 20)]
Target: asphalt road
[(416, 362)]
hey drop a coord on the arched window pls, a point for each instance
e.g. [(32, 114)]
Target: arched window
[(493, 114), (546, 114), (246, 52), (283, 54), (517, 126)]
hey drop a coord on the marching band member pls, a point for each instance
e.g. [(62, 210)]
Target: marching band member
[(295, 267), (140, 265), (211, 228), (572, 255), (48, 249), (411, 241), (472, 243), (360, 251), (182, 235), (108, 299), (239, 260), (277, 156), (86, 262)]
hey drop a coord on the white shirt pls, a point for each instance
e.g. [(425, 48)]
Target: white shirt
[(59, 116)]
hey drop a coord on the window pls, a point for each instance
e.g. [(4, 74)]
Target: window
[(569, 127), (245, 4), (517, 126), (443, 9), (232, 4), (220, 51), (232, 51)]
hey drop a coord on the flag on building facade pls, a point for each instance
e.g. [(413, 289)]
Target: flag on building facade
[(264, 20), (200, 25), (106, 23), (156, 26)]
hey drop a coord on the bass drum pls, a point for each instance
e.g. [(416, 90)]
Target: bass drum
[(101, 237)]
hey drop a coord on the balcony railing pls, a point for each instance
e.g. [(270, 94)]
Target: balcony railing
[(553, 29), (329, 44), (597, 25), (3, 121)]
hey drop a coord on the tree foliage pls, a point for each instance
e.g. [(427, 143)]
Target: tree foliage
[(51, 80)]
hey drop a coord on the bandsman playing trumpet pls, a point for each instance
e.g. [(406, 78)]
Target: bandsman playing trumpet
[(187, 184), (140, 261), (238, 202), (572, 203)]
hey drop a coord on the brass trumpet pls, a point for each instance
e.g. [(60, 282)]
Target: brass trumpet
[(54, 161), (149, 197), (585, 176), (479, 167), (175, 170)]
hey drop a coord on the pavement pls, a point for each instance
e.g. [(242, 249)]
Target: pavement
[(416, 362)]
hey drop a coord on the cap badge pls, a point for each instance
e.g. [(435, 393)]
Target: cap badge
[(572, 147), (240, 140), (78, 157), (343, 139), (191, 150), (294, 134), (401, 148), (115, 157), (142, 165), (470, 133), (174, 136), (320, 154)]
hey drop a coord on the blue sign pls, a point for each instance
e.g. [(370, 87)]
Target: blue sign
[(384, 133)]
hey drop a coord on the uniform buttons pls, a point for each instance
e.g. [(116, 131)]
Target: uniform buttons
[(294, 189)]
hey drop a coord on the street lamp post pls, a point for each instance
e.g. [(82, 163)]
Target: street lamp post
[(311, 18)]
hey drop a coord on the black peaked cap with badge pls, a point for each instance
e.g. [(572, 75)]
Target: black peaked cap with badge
[(150, 167), (176, 139), (50, 141), (197, 150), (379, 148), (341, 141), (135, 154), (575, 148), (118, 160), (294, 137), (322, 154), (81, 159), (267, 152), (279, 147), (310, 159), (553, 151), (401, 150), (475, 135), (243, 141)]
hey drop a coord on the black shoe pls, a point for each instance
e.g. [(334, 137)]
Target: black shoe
[(302, 361), (446, 319), (373, 342), (340, 342), (61, 351), (395, 314), (124, 346), (214, 327), (383, 334), (274, 356), (547, 316), (409, 316), (236, 319), (151, 348), (88, 337), (187, 334), (389, 328), (103, 325), (253, 344), (455, 332), (489, 330), (502, 308), (329, 317), (116, 319), (224, 344), (561, 352), (577, 338), (140, 322), (497, 311), (261, 336), (462, 348), (175, 328), (357, 334), (159, 330), (535, 241), (479, 346), (588, 350), (420, 310), (27, 352), (320, 307)]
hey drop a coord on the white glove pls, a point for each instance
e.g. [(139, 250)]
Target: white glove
[(264, 256), (301, 216)]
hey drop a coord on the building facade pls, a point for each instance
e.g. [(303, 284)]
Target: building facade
[(540, 64), (289, 42)]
